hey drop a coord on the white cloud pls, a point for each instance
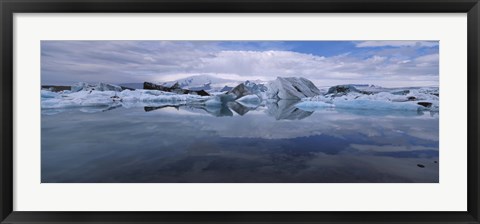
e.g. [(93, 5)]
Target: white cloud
[(428, 58), (65, 62), (397, 44)]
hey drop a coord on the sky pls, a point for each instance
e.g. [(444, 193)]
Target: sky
[(326, 63)]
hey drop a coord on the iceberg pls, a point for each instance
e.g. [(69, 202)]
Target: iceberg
[(291, 88), (214, 101), (127, 98), (48, 94), (313, 105), (250, 99), (341, 90), (83, 86), (351, 98), (296, 98), (240, 91), (286, 110), (78, 99)]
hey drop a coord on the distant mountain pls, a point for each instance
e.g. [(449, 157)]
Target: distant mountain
[(226, 88), (205, 82), (132, 85)]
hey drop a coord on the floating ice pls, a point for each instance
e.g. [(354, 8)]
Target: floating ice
[(82, 86), (312, 105), (78, 99), (127, 98), (250, 99), (406, 99), (291, 88), (48, 94), (216, 100), (105, 96)]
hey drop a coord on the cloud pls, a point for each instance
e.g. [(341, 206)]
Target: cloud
[(66, 62), (397, 44)]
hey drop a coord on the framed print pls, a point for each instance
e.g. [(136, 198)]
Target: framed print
[(246, 112)]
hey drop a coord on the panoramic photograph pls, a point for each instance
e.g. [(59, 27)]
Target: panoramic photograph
[(115, 111)]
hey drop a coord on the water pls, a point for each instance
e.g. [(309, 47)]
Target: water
[(276, 143)]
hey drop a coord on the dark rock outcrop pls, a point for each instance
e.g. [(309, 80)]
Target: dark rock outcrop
[(425, 104), (174, 89), (238, 108), (411, 98), (149, 85), (148, 109), (125, 88), (240, 91), (341, 90), (56, 88), (402, 92)]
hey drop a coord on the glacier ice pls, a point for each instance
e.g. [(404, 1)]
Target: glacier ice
[(128, 98), (249, 99), (48, 94), (304, 94), (83, 86), (413, 99), (291, 88), (312, 105)]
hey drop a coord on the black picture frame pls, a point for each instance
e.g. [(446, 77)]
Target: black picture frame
[(9, 7)]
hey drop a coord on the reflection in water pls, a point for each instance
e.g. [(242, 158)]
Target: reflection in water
[(286, 110), (281, 109), (239, 108), (237, 143), (147, 109)]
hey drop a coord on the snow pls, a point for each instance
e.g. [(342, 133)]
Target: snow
[(291, 88)]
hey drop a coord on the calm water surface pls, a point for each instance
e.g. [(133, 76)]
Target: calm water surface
[(276, 143)]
